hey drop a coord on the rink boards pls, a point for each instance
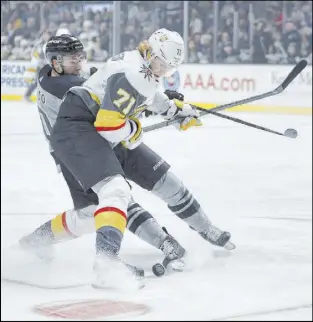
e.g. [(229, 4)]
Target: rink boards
[(207, 85)]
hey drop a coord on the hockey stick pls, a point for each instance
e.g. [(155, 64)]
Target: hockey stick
[(292, 75), (290, 133)]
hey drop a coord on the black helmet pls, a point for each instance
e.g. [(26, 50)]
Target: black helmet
[(59, 46)]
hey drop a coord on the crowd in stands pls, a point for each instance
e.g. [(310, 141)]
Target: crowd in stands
[(277, 32)]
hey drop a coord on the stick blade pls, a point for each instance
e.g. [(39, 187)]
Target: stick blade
[(294, 73), (291, 133)]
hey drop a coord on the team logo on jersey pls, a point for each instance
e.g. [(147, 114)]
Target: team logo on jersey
[(147, 72), (172, 82)]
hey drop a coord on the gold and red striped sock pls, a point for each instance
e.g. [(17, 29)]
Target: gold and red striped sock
[(60, 228)]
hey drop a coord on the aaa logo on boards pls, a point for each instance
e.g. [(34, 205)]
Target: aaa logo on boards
[(172, 82)]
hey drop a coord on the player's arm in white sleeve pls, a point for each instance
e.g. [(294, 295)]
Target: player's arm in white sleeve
[(172, 108), (113, 120)]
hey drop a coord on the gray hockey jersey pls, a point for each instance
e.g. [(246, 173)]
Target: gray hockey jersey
[(50, 92)]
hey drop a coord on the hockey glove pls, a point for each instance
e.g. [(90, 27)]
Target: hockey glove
[(173, 94), (181, 109), (93, 70), (135, 137), (148, 113)]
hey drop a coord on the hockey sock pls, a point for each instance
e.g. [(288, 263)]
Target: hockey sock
[(53, 231), (181, 202), (110, 226), (142, 224), (110, 216)]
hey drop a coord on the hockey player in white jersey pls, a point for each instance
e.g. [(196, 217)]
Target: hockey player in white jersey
[(66, 56), (101, 115)]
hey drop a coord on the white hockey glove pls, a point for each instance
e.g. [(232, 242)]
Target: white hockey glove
[(136, 135), (181, 109)]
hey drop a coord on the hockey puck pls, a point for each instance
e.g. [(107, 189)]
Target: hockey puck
[(291, 133), (158, 269)]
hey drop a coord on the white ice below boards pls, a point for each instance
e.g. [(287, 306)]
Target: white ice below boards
[(255, 184)]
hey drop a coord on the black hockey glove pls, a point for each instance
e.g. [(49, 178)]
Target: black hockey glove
[(148, 113), (174, 95), (93, 70)]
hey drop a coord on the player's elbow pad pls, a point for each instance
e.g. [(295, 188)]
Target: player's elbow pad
[(117, 135)]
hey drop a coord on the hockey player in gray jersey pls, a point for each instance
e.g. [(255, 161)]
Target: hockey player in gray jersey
[(66, 54), (102, 114)]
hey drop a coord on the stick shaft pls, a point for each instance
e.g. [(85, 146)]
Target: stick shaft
[(291, 76)]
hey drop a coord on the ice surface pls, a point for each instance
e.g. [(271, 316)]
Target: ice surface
[(255, 184)]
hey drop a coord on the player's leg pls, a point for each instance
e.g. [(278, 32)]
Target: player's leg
[(145, 168), (78, 221), (67, 225), (154, 174), (91, 160), (142, 224), (185, 206)]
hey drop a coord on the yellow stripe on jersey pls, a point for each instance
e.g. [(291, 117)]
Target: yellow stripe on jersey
[(110, 216), (109, 120)]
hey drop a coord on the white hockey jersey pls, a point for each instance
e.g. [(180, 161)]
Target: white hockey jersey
[(123, 87)]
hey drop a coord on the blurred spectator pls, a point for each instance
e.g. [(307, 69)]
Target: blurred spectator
[(193, 54), (228, 54), (276, 52), (96, 53), (292, 53), (195, 22), (262, 41), (275, 32), (291, 34)]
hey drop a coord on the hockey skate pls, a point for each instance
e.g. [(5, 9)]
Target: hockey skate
[(173, 252), (111, 273), (217, 237)]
